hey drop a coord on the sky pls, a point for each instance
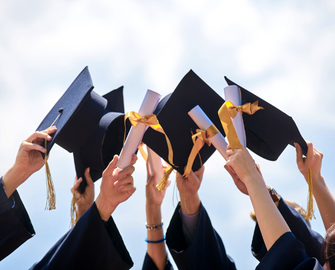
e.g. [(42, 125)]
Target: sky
[(283, 51)]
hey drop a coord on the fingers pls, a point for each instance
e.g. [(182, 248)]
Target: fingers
[(32, 146), (310, 149), (129, 180), (199, 173), (126, 172), (133, 160), (130, 189), (111, 166), (38, 135), (88, 177), (75, 187)]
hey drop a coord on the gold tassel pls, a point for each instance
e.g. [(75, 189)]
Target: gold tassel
[(73, 213), (162, 183), (51, 197), (310, 211)]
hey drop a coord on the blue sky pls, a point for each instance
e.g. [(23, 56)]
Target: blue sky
[(283, 51)]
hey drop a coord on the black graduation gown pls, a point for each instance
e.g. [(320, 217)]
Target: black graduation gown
[(90, 244), (15, 224), (206, 250), (288, 253), (149, 264), (312, 241)]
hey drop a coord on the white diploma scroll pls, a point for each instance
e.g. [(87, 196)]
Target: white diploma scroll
[(233, 94), (203, 122), (156, 165), (136, 133)]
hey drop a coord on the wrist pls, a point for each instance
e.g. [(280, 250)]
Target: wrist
[(105, 210), (190, 204), (12, 179), (153, 214)]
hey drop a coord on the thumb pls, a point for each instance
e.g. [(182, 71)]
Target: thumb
[(111, 166), (299, 153), (88, 177)]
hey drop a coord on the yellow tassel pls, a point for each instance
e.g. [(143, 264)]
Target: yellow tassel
[(162, 183), (74, 213), (51, 197), (310, 211)]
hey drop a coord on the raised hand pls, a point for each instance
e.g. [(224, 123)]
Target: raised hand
[(117, 186), (83, 200), (28, 160)]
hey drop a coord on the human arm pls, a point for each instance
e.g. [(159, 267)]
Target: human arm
[(154, 199), (323, 196), (117, 186), (271, 223), (28, 160)]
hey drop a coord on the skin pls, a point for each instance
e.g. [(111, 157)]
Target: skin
[(271, 222), (28, 160), (83, 200), (117, 186), (323, 196), (154, 199), (188, 191)]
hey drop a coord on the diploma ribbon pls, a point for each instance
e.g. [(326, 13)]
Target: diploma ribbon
[(167, 171), (227, 111), (148, 120), (199, 139)]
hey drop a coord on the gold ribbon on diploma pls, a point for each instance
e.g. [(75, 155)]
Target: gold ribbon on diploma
[(199, 139), (228, 110), (148, 120), (167, 171)]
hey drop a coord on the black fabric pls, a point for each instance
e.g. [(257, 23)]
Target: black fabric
[(268, 131), (288, 253), (312, 241), (15, 224), (90, 244), (172, 113), (149, 264), (206, 250)]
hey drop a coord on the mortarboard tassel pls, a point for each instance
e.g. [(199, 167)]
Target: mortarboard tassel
[(310, 210), (73, 211), (162, 183), (51, 197)]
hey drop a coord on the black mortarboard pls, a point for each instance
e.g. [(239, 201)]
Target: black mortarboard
[(76, 114), (172, 113), (268, 131), (105, 141)]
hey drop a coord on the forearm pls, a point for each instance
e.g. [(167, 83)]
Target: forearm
[(12, 179), (271, 222), (156, 251), (190, 204), (325, 201)]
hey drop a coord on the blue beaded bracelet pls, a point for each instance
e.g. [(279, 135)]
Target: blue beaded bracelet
[(155, 242)]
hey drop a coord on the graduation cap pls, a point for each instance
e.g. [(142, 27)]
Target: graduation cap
[(76, 114), (268, 131), (172, 113), (105, 141)]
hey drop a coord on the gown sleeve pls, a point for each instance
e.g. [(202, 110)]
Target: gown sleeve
[(288, 253), (90, 244), (15, 224), (312, 241), (206, 251), (149, 264)]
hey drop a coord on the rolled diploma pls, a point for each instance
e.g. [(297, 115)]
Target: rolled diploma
[(233, 94), (203, 122), (136, 133), (155, 163)]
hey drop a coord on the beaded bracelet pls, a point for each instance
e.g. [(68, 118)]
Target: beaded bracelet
[(154, 227), (155, 242)]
